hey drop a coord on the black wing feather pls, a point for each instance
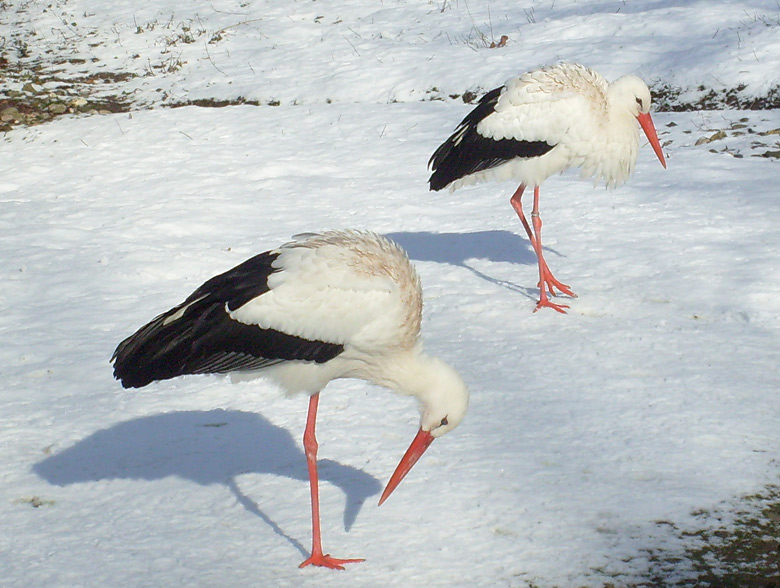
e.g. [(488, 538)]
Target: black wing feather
[(466, 151), (198, 336)]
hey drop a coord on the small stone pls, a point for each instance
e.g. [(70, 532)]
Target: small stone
[(718, 136), (57, 108), (31, 88), (714, 137)]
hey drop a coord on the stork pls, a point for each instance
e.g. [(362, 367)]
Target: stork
[(542, 123), (341, 304)]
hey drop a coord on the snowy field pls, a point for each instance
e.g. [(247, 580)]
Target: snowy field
[(593, 439)]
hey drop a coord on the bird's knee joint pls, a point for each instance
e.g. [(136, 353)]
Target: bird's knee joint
[(310, 446)]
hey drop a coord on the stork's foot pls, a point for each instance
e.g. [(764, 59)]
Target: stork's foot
[(553, 284), (548, 283), (545, 303), (326, 561)]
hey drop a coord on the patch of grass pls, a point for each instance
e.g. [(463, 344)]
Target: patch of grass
[(741, 553), (480, 37), (213, 103), (747, 553)]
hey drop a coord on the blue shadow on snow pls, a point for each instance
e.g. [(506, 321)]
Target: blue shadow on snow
[(458, 248), (206, 447)]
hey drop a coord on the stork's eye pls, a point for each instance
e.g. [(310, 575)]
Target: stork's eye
[(443, 422), (641, 105)]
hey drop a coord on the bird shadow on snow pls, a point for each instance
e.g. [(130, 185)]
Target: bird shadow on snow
[(458, 248), (206, 447)]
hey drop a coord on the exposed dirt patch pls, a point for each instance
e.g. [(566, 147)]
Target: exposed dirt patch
[(740, 550), (214, 103), (44, 94), (669, 99)]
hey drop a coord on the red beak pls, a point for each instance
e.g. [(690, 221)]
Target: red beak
[(420, 443), (646, 121)]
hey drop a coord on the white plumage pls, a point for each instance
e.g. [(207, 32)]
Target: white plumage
[(354, 288), (542, 123), (342, 304)]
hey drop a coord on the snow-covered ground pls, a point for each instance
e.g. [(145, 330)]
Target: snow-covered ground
[(352, 51), (592, 438)]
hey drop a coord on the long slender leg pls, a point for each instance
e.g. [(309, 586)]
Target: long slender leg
[(516, 203), (544, 271), (552, 283), (310, 446), (545, 275)]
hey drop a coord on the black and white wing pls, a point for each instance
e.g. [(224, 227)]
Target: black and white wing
[(201, 336), (469, 150)]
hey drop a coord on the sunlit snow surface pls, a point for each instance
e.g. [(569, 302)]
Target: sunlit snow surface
[(589, 435)]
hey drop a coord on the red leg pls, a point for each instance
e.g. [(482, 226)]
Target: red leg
[(516, 203), (518, 206), (310, 446), (546, 278)]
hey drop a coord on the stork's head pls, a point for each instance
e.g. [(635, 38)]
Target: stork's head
[(631, 94), (444, 399)]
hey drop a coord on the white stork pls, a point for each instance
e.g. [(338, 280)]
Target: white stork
[(542, 123), (341, 304)]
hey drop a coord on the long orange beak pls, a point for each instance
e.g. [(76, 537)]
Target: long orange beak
[(420, 443), (646, 121)]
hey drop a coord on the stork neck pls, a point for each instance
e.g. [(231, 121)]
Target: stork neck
[(405, 371), (442, 393)]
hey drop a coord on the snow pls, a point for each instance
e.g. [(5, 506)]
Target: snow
[(591, 437)]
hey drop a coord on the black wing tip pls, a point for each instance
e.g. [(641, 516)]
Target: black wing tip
[(452, 161), (129, 380), (444, 164), (132, 372), (128, 383), (436, 183)]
